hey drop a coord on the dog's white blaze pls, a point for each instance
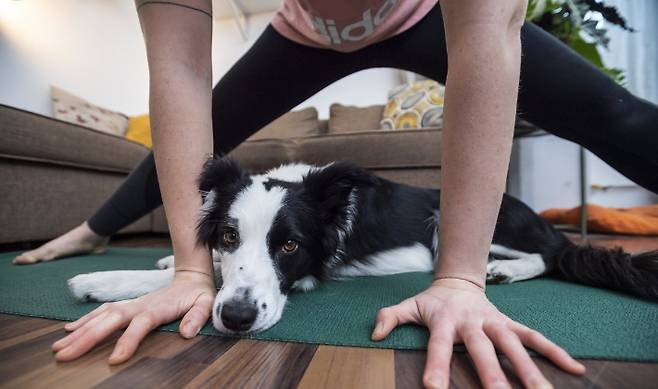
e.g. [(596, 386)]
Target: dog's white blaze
[(291, 173), (415, 257), (522, 266), (250, 265)]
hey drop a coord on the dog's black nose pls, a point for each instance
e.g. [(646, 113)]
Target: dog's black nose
[(238, 316)]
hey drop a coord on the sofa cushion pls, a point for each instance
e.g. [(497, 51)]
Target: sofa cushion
[(344, 118), (375, 149), (292, 124), (41, 200), (258, 156), (29, 136), (74, 109)]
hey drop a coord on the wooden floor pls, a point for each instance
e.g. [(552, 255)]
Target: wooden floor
[(167, 360)]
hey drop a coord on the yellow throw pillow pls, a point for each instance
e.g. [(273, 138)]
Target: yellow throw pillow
[(414, 105), (139, 130)]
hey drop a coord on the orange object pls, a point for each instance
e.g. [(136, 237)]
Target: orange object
[(634, 221)]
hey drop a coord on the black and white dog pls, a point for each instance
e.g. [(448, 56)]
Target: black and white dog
[(297, 225)]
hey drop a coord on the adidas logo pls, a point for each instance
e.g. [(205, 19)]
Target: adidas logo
[(356, 31)]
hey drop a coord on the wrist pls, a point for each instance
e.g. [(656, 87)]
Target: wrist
[(458, 282), (194, 275), (474, 273)]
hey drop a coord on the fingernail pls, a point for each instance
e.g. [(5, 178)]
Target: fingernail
[(62, 353), (376, 331), (500, 385), (189, 330), (57, 344), (116, 354), (539, 383), (435, 381)]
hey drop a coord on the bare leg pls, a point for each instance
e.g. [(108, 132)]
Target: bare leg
[(80, 240)]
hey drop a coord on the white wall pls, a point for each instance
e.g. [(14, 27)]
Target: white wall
[(91, 48), (95, 49)]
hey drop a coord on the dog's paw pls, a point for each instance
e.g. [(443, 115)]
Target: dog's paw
[(500, 272), (306, 284), (165, 263), (506, 271), (86, 287)]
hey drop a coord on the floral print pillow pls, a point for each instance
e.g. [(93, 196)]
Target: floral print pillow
[(74, 109), (414, 105)]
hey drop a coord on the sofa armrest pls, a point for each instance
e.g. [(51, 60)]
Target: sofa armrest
[(29, 136)]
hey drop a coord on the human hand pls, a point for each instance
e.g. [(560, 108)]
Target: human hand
[(457, 311), (190, 295)]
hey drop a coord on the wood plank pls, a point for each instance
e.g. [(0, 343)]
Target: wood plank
[(47, 328), (13, 326), (206, 350), (35, 366), (255, 364), (625, 375), (409, 367), (174, 372), (350, 367), (151, 372), (462, 372), (27, 356), (561, 379)]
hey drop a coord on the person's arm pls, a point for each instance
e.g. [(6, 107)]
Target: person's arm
[(178, 41), (180, 73), (484, 52)]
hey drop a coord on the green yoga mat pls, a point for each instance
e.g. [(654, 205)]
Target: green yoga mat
[(587, 322)]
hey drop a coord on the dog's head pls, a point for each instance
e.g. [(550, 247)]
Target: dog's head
[(274, 233)]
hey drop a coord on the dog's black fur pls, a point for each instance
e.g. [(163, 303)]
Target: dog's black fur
[(390, 215)]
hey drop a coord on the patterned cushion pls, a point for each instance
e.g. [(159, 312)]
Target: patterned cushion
[(414, 105), (74, 109)]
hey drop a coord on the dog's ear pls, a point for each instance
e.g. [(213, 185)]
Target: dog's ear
[(220, 172), (221, 180), (330, 187)]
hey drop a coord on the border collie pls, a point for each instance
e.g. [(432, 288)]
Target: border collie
[(297, 225)]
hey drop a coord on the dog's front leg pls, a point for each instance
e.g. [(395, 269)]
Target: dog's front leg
[(118, 285)]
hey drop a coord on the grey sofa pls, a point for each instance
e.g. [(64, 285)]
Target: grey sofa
[(54, 174)]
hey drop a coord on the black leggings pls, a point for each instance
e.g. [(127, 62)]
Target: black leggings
[(559, 92)]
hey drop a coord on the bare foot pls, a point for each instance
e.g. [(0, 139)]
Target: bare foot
[(80, 240)]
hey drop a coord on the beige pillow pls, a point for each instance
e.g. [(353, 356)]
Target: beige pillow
[(343, 118), (74, 109), (414, 105), (293, 124)]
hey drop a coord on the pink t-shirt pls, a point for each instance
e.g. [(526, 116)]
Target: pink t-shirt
[(347, 25)]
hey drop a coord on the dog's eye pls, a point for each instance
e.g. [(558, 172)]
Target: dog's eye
[(231, 237), (290, 246)]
